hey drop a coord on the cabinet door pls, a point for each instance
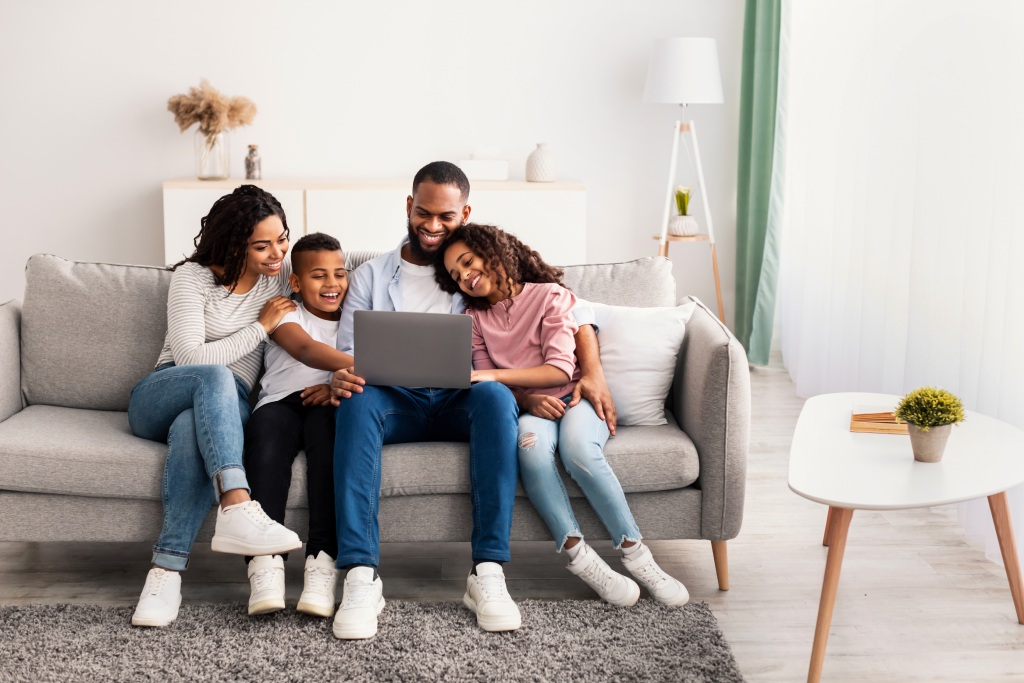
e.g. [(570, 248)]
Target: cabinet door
[(552, 222), (370, 218), (185, 208)]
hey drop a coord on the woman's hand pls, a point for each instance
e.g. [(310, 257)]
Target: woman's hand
[(541, 405), (272, 312), (316, 395)]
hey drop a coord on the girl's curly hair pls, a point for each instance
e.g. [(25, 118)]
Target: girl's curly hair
[(511, 261), (223, 238)]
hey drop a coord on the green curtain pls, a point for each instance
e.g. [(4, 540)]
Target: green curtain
[(756, 214)]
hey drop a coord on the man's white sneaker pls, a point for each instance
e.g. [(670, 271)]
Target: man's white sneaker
[(362, 601), (160, 599), (319, 581), (664, 588), (487, 596), (614, 588), (245, 529), (266, 584)]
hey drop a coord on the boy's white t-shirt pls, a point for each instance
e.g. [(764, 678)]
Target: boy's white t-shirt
[(284, 374)]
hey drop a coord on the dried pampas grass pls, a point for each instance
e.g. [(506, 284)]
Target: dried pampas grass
[(214, 112)]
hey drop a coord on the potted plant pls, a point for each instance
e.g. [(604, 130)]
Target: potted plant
[(930, 414), (215, 115), (683, 223)]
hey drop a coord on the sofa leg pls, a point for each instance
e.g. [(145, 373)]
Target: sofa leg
[(721, 553)]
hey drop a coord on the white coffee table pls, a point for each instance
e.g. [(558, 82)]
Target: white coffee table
[(850, 471)]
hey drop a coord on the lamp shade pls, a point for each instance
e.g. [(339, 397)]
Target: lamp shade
[(684, 71)]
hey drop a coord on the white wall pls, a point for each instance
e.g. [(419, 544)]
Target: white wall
[(349, 90)]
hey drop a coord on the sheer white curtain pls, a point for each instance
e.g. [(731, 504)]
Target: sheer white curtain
[(902, 259)]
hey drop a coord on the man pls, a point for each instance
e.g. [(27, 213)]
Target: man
[(485, 415)]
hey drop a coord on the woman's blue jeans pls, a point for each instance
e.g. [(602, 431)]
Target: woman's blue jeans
[(199, 411), (484, 415), (579, 436)]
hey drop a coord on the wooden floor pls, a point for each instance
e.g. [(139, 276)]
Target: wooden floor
[(916, 603)]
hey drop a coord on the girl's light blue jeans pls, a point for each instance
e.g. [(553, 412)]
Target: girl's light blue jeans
[(199, 411), (579, 437)]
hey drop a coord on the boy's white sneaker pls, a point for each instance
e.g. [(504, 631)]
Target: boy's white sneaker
[(319, 582), (245, 529), (160, 599), (266, 584), (487, 596), (361, 602), (664, 588), (614, 588)]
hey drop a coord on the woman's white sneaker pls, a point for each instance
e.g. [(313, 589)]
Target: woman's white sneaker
[(361, 602), (245, 529), (487, 596), (160, 599), (614, 588), (266, 584), (319, 583), (664, 588)]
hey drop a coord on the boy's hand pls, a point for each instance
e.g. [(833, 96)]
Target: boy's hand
[(344, 383), (541, 405), (316, 395)]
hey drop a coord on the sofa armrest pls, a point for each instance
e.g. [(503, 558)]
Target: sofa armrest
[(711, 403), (10, 359)]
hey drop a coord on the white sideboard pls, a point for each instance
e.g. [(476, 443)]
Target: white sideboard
[(550, 217)]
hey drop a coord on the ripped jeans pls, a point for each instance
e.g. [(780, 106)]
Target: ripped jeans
[(579, 436)]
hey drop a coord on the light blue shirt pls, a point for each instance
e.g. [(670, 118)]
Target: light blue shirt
[(375, 286)]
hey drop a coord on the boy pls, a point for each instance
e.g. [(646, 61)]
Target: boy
[(294, 413)]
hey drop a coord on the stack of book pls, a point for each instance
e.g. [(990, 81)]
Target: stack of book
[(882, 422)]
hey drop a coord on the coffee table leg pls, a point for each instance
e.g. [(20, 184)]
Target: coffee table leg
[(828, 528), (1007, 546), (838, 527)]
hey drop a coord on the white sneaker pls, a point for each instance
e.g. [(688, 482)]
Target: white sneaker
[(362, 601), (245, 529), (614, 588), (319, 581), (160, 599), (664, 588), (266, 584), (487, 596)]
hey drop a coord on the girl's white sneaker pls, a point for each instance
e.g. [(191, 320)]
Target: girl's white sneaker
[(319, 583), (614, 588), (160, 599), (665, 589)]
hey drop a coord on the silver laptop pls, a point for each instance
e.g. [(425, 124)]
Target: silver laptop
[(399, 349)]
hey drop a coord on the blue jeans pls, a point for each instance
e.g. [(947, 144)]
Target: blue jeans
[(485, 415), (199, 411), (580, 436)]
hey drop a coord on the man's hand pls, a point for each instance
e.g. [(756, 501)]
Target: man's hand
[(316, 395), (594, 388), (344, 383), (541, 405)]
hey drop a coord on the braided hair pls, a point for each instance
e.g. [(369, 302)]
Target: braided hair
[(511, 261), (223, 239)]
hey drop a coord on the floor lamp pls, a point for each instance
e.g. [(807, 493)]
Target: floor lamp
[(685, 71)]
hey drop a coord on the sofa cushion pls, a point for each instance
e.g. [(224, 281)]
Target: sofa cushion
[(643, 282), (89, 331), (49, 449)]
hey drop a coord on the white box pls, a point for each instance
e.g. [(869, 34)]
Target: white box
[(485, 169)]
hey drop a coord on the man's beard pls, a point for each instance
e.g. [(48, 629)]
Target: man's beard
[(415, 248)]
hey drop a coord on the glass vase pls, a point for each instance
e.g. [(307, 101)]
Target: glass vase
[(213, 156)]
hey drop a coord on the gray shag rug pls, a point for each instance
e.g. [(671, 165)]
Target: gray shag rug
[(569, 640)]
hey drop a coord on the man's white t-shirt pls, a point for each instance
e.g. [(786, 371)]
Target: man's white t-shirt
[(420, 293), (284, 374)]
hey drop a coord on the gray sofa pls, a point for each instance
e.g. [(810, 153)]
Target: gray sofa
[(70, 469)]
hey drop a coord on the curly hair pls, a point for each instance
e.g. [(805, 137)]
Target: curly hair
[(511, 261), (223, 238)]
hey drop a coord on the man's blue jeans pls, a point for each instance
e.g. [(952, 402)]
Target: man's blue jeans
[(486, 415), (199, 411)]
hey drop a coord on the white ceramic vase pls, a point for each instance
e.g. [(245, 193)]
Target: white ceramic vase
[(682, 226), (540, 165)]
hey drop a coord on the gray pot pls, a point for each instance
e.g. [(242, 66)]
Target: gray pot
[(928, 446)]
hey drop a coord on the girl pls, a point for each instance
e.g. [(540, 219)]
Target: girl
[(523, 337), (222, 303)]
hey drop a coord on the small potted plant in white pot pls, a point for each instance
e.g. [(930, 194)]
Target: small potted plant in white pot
[(930, 414), (682, 224)]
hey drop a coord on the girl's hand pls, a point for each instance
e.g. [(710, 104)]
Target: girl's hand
[(541, 405), (483, 376), (316, 395), (273, 311)]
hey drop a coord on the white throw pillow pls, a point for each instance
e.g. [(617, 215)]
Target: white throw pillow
[(639, 348)]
